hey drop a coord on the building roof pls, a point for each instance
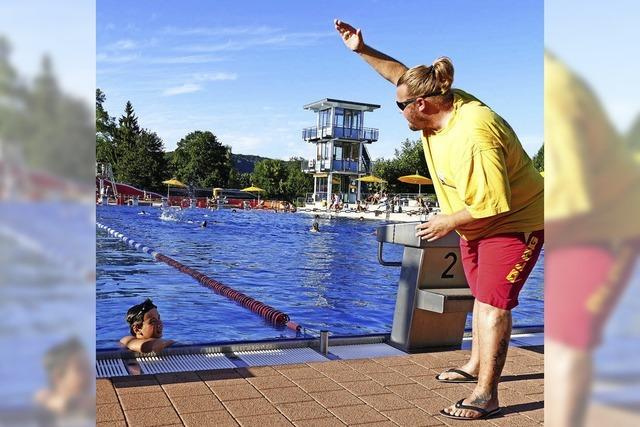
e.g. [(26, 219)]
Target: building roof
[(330, 102)]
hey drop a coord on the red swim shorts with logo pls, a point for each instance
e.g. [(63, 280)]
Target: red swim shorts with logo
[(496, 267)]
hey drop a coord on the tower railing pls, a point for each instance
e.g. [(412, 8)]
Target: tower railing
[(363, 134)]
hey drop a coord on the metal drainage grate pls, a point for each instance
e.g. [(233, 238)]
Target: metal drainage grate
[(365, 351), (106, 368), (183, 362), (280, 356)]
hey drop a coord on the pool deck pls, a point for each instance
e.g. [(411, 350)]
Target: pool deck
[(387, 391)]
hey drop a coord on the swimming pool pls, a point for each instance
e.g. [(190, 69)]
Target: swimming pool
[(328, 280)]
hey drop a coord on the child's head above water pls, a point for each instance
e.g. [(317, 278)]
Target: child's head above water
[(144, 320)]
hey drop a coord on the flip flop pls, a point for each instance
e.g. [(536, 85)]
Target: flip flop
[(468, 378), (484, 414)]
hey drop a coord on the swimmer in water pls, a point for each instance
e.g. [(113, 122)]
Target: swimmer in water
[(315, 227), (145, 329), (203, 224)]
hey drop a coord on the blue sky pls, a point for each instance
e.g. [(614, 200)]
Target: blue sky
[(244, 69)]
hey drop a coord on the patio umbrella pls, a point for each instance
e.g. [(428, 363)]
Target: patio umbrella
[(253, 189), (371, 178), (416, 179), (173, 182)]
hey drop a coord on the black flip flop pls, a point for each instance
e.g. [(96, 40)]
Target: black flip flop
[(468, 378), (484, 414)]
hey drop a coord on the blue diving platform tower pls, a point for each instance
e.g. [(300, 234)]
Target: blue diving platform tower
[(341, 154)]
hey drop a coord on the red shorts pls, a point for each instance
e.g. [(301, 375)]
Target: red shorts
[(496, 267), (582, 285)]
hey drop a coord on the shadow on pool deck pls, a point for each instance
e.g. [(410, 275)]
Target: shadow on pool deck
[(398, 390)]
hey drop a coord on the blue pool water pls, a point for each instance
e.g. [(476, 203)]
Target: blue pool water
[(328, 280)]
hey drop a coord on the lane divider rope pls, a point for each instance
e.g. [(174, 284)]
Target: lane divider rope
[(269, 313)]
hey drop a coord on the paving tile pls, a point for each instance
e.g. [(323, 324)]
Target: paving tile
[(393, 361), (429, 361), (430, 382), (433, 405), (139, 384), (347, 376), (386, 402), (452, 393), (177, 377), (412, 370), (144, 400), (411, 392), (105, 393), (186, 389), (334, 365), (199, 403), (412, 417), (387, 379), (257, 371), (272, 420), (152, 417), (109, 412), (290, 366), (515, 420), (286, 395), (367, 366), (303, 410), (301, 373), (364, 388), (331, 399), (358, 414), (219, 374), (112, 424), (235, 392), (311, 385), (250, 407), (209, 419), (273, 381), (320, 422)]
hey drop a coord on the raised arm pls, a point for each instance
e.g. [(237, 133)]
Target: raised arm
[(389, 68)]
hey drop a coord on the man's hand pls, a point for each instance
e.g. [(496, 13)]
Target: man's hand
[(436, 228), (351, 37)]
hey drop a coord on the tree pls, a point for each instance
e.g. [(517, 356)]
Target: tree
[(538, 159), (125, 163), (239, 179), (201, 160), (408, 160), (105, 132), (271, 175), (298, 183)]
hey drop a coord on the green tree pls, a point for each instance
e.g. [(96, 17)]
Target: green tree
[(201, 160), (298, 183), (408, 160), (239, 179), (105, 131), (538, 159), (271, 175), (126, 162)]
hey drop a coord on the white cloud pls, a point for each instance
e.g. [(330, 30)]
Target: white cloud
[(210, 77), (116, 59), (179, 90), (126, 44), (222, 31), (189, 59)]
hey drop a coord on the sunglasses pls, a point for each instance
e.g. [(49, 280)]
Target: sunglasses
[(404, 104)]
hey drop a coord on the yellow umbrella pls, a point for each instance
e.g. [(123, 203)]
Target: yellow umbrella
[(173, 182), (371, 178), (542, 173), (252, 189), (416, 179)]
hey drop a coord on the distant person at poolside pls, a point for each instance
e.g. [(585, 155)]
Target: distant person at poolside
[(490, 194), (360, 207), (145, 327), (70, 389)]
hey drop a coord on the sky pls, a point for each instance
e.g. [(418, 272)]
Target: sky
[(245, 69)]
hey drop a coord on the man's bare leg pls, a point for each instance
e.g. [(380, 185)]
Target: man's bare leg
[(471, 367), (494, 332), (567, 384)]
